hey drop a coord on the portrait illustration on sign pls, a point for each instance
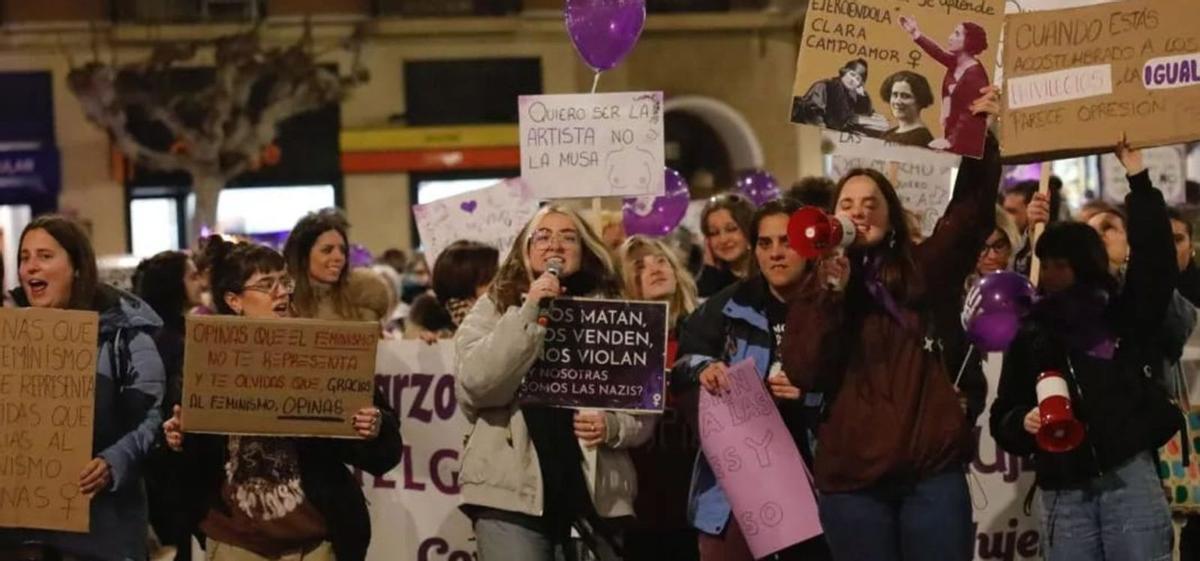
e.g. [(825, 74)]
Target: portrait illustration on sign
[(927, 62)]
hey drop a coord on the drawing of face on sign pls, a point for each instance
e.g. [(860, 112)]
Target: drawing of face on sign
[(631, 170)]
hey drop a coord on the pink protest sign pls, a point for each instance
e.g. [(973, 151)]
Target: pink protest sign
[(757, 464)]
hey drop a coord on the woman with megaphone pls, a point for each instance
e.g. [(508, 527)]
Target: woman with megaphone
[(1078, 387), (877, 332)]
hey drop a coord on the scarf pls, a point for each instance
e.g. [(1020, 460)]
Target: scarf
[(1077, 316), (872, 272)]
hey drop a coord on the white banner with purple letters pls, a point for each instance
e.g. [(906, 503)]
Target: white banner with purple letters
[(999, 482), (414, 508)]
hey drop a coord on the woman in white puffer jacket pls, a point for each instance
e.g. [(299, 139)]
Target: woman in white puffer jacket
[(530, 473)]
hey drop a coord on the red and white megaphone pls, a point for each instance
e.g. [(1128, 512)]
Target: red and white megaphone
[(1061, 431), (811, 232)]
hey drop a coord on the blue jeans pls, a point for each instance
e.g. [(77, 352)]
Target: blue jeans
[(1119, 516), (926, 521)]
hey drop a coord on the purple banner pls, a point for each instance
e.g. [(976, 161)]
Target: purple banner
[(601, 354)]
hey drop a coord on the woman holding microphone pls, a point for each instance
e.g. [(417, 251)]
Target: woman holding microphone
[(524, 479)]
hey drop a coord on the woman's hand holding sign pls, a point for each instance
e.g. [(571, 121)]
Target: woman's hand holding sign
[(715, 378), (591, 427)]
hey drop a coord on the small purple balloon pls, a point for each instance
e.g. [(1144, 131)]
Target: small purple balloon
[(657, 216), (1005, 291), (604, 31), (360, 256), (993, 309), (757, 185), (993, 332)]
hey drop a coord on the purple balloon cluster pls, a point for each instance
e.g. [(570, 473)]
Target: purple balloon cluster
[(657, 216), (994, 307), (757, 185)]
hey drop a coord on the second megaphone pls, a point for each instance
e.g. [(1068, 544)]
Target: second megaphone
[(1061, 431), (811, 232)]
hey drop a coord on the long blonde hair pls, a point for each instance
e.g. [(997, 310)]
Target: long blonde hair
[(683, 301), (595, 267)]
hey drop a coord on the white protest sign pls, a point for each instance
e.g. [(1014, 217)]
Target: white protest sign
[(1168, 172), (592, 145), (492, 215), (414, 508), (924, 177), (999, 482)]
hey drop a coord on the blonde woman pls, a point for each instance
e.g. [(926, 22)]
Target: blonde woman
[(650, 271), (524, 481)]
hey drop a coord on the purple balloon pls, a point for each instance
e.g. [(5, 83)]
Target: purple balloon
[(360, 256), (993, 309), (657, 216), (1005, 291), (993, 332), (758, 185), (604, 31)]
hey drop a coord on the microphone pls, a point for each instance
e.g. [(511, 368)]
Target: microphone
[(554, 266)]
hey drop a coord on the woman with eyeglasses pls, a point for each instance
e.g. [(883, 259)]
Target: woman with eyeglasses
[(57, 269), (725, 221), (524, 480), (273, 498), (326, 288)]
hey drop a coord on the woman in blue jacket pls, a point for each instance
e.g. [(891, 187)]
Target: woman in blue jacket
[(57, 268), (745, 321)]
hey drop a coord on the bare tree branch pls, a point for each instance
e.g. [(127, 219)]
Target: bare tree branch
[(224, 125)]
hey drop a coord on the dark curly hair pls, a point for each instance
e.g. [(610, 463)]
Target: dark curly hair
[(234, 263), (922, 93)]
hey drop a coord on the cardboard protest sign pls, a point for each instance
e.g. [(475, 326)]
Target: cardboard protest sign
[(1077, 79), (1168, 172), (592, 145), (757, 464), (282, 377), (924, 178), (603, 354), (47, 409), (905, 72), (492, 215)]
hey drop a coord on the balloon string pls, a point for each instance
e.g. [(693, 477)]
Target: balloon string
[(963, 368), (595, 82)]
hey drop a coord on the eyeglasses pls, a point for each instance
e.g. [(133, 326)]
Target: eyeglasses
[(999, 247), (543, 239), (270, 285)]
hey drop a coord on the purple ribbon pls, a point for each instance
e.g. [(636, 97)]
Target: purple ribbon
[(872, 266)]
